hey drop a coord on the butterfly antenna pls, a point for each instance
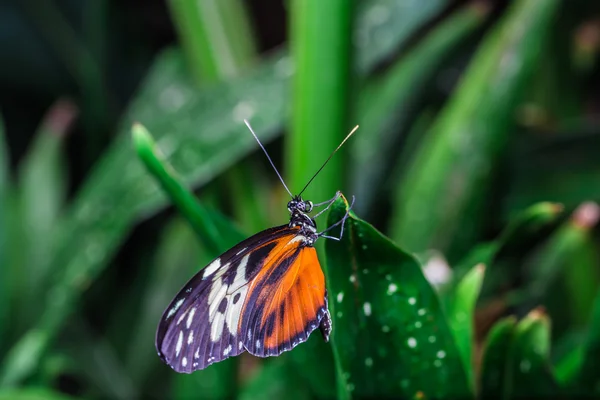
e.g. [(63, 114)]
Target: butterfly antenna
[(329, 158), (269, 158)]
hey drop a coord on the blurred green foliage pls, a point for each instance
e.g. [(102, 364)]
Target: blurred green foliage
[(477, 155)]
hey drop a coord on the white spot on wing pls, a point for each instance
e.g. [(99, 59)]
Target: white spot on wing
[(217, 292), (297, 238), (190, 318), (179, 344), (191, 337), (197, 353), (211, 268), (227, 351), (174, 309), (184, 361), (240, 275), (240, 345), (238, 286), (216, 327), (181, 317), (258, 344)]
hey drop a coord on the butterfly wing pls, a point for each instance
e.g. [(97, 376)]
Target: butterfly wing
[(265, 295), (201, 325), (287, 301)]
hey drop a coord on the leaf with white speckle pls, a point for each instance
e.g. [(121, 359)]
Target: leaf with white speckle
[(389, 332)]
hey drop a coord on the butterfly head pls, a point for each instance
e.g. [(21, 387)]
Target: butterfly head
[(299, 217), (297, 204)]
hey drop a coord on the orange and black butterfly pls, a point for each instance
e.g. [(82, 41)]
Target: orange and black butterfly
[(265, 295)]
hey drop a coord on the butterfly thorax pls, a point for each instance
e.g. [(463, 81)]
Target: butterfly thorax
[(299, 210)]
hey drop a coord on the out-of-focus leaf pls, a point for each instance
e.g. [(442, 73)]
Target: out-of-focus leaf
[(495, 373), (176, 258), (567, 263), (521, 228), (4, 161), (205, 135), (215, 36), (569, 366), (383, 25), (460, 312), (553, 166), (529, 364), (218, 235), (98, 361), (5, 279), (213, 229), (218, 41), (209, 382), (276, 380), (516, 359), (587, 379), (440, 198), (42, 188), (23, 357), (386, 106), (390, 335), (320, 43), (32, 394)]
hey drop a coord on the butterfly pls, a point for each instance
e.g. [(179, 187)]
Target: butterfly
[(265, 295)]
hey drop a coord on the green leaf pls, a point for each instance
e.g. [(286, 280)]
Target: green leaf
[(499, 253), (529, 364), (461, 314), (209, 382), (516, 360), (520, 229), (98, 361), (568, 368), (549, 270), (542, 167), (320, 35), (387, 104), (42, 190), (390, 335), (495, 374), (204, 139), (277, 379), (587, 380), (384, 25), (5, 273), (32, 394), (173, 264), (320, 44), (215, 36), (213, 229), (469, 135)]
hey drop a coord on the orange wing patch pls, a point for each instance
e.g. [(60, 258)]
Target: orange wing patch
[(287, 300)]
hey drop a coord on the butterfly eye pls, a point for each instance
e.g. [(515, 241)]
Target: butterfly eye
[(308, 206), (292, 205)]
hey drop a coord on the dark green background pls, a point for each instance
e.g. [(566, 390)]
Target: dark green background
[(470, 266)]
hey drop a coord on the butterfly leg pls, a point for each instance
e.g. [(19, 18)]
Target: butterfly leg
[(328, 202), (341, 221)]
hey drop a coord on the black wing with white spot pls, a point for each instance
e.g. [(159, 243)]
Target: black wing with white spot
[(201, 325)]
